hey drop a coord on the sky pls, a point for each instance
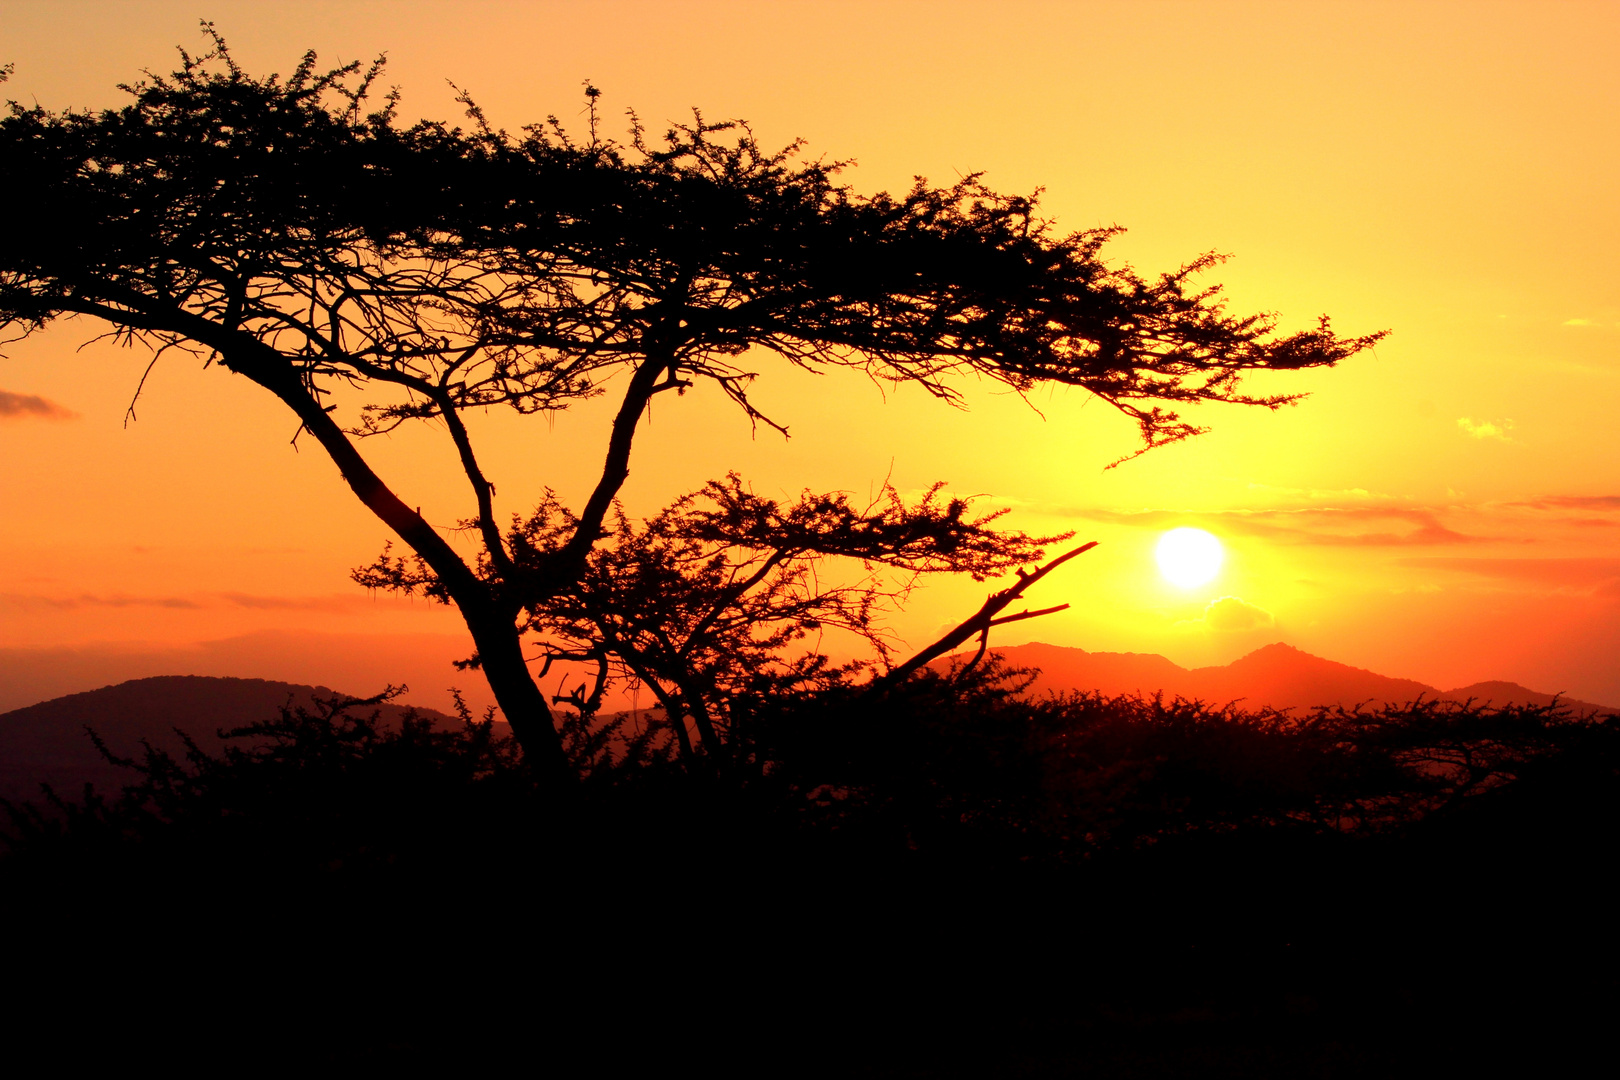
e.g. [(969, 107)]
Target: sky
[(1445, 507)]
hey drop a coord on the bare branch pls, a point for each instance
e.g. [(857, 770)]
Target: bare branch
[(982, 620)]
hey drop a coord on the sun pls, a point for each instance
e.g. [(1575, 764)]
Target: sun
[(1189, 557)]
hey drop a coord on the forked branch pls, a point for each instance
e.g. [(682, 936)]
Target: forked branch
[(980, 622)]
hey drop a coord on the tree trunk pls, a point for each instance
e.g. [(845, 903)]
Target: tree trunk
[(520, 698), (495, 637)]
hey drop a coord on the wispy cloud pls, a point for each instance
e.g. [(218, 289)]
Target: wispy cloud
[(1427, 531), (1326, 526), (35, 602), (1580, 322), (17, 406), (1330, 496), (1571, 502), (334, 603), (1486, 429), (1558, 572), (1231, 614)]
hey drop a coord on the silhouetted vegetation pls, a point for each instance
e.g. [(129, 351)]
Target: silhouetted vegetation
[(948, 868), (941, 768), (1064, 877), (327, 789)]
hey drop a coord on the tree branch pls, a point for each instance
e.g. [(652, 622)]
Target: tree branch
[(245, 354), (483, 490), (616, 468), (982, 620)]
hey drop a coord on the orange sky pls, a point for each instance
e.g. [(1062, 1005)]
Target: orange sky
[(1446, 509)]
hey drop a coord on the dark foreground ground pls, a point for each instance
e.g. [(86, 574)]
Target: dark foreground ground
[(395, 915), (833, 975)]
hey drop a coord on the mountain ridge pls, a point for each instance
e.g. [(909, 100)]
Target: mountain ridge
[(47, 743), (1277, 676)]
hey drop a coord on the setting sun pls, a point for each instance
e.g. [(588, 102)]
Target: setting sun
[(1189, 557)]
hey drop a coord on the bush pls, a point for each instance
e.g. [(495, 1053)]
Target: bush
[(953, 874), (945, 767)]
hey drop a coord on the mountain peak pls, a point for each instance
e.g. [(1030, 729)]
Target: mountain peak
[(1280, 656), (1277, 675), (1279, 648)]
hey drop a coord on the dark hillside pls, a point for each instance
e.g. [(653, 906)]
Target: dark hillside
[(1496, 692), (1281, 675), (47, 743)]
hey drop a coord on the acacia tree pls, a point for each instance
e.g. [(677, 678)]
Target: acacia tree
[(303, 238)]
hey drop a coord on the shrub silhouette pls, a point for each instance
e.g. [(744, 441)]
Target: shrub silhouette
[(953, 872), (942, 767), (327, 788)]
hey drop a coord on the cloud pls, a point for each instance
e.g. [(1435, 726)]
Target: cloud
[(1580, 322), (1572, 502), (338, 602), (1429, 531), (28, 602), (13, 406), (1312, 525), (1557, 572), (1319, 495), (333, 604), (1232, 614), (1592, 505), (1486, 429)]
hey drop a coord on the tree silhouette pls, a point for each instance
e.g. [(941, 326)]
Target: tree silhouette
[(299, 236)]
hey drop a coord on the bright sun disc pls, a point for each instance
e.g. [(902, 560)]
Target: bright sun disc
[(1189, 557)]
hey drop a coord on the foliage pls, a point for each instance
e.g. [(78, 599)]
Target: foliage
[(296, 233), (945, 767), (327, 788), (965, 762), (702, 602), (1139, 885)]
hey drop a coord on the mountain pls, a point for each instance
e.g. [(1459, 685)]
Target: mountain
[(47, 743), (1280, 676)]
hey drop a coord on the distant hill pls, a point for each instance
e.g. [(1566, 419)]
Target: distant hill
[(46, 743), (1280, 676)]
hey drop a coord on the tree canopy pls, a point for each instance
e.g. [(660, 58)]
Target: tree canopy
[(296, 232)]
